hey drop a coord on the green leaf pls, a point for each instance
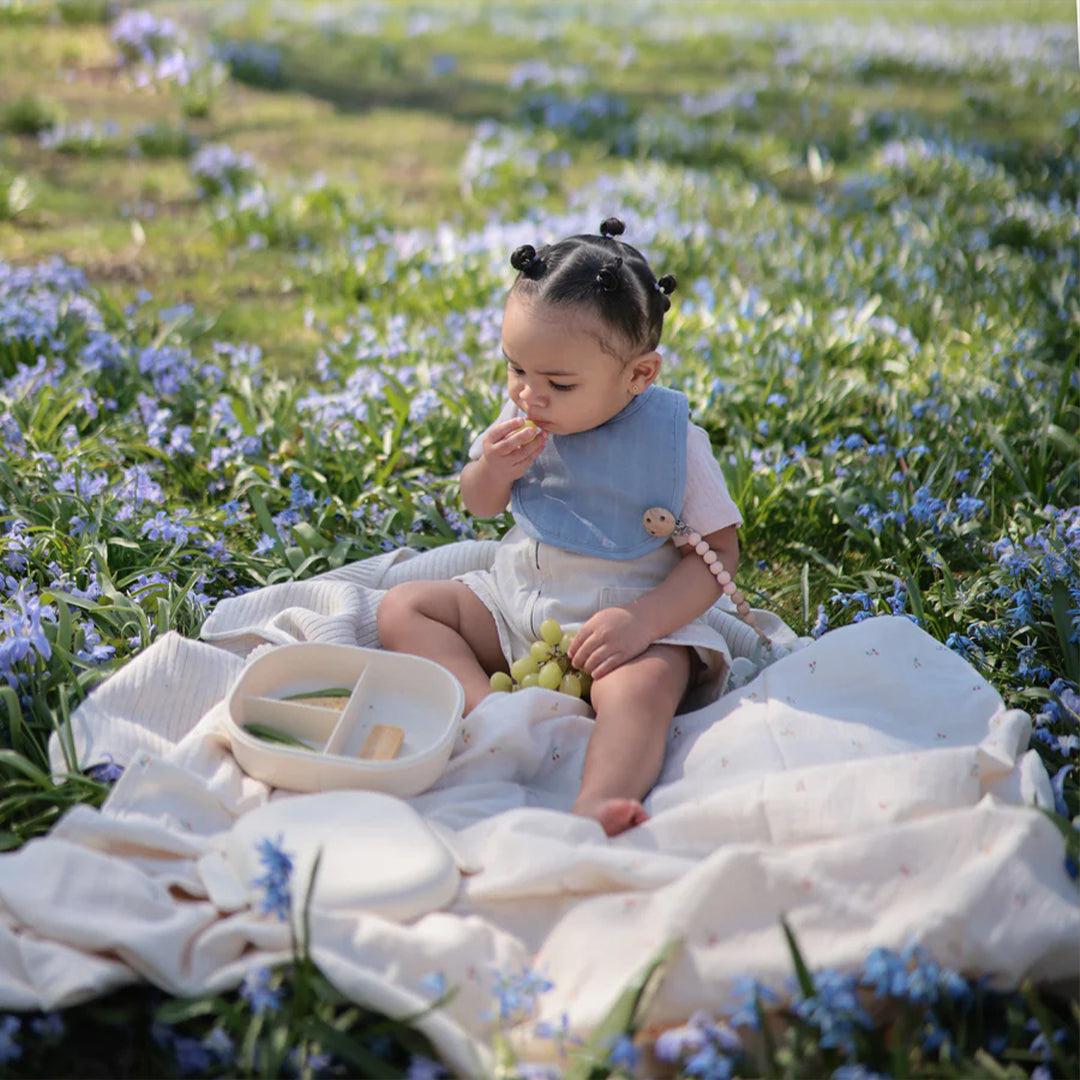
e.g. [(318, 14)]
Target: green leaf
[(623, 1018), (262, 516), (20, 764), (177, 1010), (804, 585), (1060, 604), (310, 540), (1046, 1025), (802, 972), (63, 626), (14, 712), (339, 554), (1006, 452), (505, 1058), (915, 597), (349, 1050)]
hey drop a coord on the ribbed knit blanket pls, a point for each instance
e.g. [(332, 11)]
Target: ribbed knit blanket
[(871, 787)]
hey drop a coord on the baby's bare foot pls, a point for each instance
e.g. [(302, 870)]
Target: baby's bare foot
[(615, 815)]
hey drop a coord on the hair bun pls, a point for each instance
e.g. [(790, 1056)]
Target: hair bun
[(607, 277), (667, 283), (523, 257), (612, 226)]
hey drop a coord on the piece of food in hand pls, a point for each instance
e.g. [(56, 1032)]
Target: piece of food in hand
[(535, 430)]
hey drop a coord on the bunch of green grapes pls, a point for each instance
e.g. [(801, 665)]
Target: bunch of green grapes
[(547, 665)]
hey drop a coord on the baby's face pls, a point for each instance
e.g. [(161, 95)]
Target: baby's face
[(558, 374)]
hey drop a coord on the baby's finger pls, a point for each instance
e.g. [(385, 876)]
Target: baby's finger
[(529, 451), (514, 430), (580, 648), (605, 667)]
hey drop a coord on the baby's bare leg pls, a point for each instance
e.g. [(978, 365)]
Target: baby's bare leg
[(634, 706), (444, 621)]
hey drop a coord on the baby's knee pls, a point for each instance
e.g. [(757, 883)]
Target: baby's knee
[(659, 676), (393, 612)]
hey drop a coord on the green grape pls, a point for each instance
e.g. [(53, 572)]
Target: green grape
[(551, 631), (540, 651), (521, 667), (571, 685), (564, 644), (532, 679), (564, 663), (501, 681), (550, 675)]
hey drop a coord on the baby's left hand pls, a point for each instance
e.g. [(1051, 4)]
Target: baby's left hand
[(607, 640)]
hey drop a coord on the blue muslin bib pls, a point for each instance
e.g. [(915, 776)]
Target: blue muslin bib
[(587, 492)]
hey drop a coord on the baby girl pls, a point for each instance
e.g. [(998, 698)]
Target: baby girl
[(580, 332)]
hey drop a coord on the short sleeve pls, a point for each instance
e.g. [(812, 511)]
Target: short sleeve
[(508, 410), (707, 506)]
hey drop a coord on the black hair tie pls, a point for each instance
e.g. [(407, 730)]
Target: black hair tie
[(607, 277), (612, 226), (666, 284)]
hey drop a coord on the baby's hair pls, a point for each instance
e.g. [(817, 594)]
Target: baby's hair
[(603, 275)]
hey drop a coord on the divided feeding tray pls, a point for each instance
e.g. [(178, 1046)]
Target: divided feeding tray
[(393, 732)]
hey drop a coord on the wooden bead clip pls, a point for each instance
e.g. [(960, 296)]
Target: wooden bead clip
[(661, 522)]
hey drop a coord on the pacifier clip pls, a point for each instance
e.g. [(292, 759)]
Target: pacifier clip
[(661, 522)]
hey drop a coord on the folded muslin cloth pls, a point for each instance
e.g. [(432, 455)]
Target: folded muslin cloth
[(871, 786)]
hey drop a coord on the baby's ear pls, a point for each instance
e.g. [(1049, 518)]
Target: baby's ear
[(647, 366)]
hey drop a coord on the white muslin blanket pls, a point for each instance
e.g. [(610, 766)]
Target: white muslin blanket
[(871, 787)]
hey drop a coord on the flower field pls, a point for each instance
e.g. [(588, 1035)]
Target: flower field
[(252, 264)]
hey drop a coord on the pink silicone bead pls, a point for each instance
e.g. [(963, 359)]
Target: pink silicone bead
[(701, 547), (723, 576), (729, 587), (694, 538), (744, 608), (716, 568), (709, 557), (737, 598)]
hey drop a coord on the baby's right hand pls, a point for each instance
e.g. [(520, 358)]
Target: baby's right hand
[(510, 448)]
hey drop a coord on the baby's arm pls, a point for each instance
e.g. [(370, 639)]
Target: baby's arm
[(690, 589), (614, 635)]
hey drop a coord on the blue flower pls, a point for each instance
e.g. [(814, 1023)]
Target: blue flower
[(423, 1068), (623, 1053), (106, 772), (258, 993), (10, 1050), (191, 1055), (50, 1026), (277, 895), (517, 993)]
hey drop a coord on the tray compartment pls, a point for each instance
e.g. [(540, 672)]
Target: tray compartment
[(307, 722), (386, 695)]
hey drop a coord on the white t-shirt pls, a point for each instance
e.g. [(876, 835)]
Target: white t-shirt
[(706, 507)]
